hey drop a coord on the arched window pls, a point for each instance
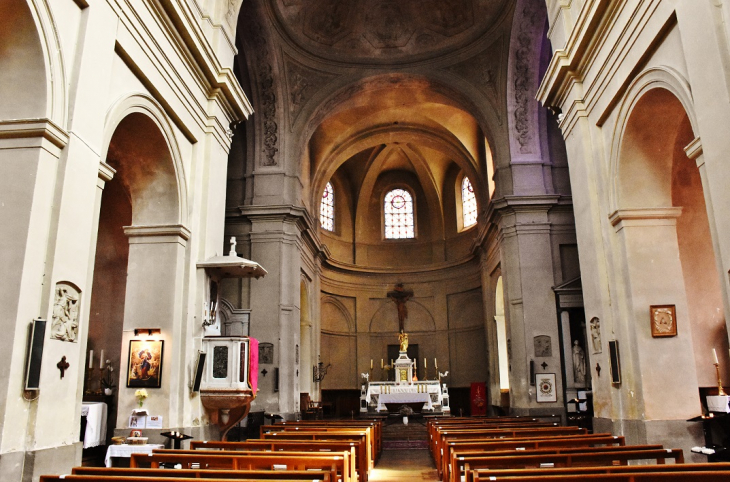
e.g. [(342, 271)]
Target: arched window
[(398, 210), (327, 208), (468, 203)]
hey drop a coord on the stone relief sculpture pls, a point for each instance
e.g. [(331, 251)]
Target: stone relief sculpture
[(65, 323), (595, 324), (543, 346), (579, 364)]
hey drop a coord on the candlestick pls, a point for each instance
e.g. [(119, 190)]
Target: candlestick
[(371, 363), (381, 363), (720, 391), (435, 364), (91, 359), (714, 356), (101, 360), (415, 364)]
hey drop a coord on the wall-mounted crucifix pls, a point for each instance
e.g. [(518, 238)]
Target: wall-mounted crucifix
[(63, 365), (400, 295)]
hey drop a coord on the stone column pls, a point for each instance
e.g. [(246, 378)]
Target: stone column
[(154, 299)]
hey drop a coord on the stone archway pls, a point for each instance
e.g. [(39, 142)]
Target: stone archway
[(667, 254), (141, 244)]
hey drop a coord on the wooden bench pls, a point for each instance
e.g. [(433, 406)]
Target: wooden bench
[(159, 477), (289, 427), (461, 456), (349, 435), (492, 433), (309, 475), (552, 473), (681, 476), (377, 426), (450, 446), (337, 464), (518, 461), (358, 448)]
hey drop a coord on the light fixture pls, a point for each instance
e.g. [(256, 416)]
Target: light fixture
[(147, 331), (319, 371)]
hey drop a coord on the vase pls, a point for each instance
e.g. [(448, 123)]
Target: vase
[(108, 392), (405, 420)]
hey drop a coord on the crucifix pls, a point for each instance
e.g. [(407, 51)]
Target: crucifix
[(400, 295), (63, 365)]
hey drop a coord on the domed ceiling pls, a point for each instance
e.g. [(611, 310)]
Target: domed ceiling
[(385, 31)]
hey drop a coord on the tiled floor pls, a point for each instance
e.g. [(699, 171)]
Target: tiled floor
[(404, 465)]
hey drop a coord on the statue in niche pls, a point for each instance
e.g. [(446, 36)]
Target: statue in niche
[(596, 334), (543, 346), (579, 364), (65, 322)]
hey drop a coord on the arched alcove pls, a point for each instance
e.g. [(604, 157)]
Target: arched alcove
[(22, 65)]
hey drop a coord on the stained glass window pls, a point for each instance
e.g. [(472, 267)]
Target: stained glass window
[(468, 203), (398, 207), (327, 208)]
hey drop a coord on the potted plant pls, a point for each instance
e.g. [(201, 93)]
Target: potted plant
[(405, 411)]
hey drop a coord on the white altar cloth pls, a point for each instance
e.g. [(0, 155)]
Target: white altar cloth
[(95, 433), (126, 450), (404, 397)]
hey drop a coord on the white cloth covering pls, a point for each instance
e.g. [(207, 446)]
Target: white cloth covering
[(125, 450), (95, 433)]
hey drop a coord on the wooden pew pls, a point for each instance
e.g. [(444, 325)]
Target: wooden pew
[(377, 426), (308, 475), (532, 474), (519, 461), (462, 456), (492, 433), (350, 435), (337, 464), (686, 476), (152, 478), (368, 431), (359, 449), (451, 446)]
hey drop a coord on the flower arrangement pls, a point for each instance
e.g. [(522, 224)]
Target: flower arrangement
[(141, 394), (405, 411)]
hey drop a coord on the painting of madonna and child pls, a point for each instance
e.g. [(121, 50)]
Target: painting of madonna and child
[(145, 364)]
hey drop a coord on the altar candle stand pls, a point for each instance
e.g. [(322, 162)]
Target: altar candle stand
[(176, 438)]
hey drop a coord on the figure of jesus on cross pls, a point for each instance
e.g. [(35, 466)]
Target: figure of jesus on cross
[(400, 295)]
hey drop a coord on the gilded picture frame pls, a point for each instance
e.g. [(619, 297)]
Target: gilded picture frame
[(663, 321), (144, 369)]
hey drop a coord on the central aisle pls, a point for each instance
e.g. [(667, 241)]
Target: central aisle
[(405, 465)]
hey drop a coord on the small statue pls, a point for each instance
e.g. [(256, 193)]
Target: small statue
[(403, 339), (366, 376), (579, 364)]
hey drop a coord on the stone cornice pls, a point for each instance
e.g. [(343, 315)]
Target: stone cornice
[(34, 128), (158, 233), (644, 217), (181, 18), (396, 270), (106, 172)]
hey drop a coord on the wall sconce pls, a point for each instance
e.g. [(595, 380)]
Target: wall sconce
[(319, 371), (147, 331)]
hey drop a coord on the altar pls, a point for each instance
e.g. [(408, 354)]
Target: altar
[(404, 390)]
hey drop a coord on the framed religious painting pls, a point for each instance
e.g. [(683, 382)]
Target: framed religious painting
[(546, 390), (145, 364), (663, 321)]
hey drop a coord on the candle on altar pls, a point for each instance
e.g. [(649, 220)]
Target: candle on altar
[(424, 363), (435, 364), (371, 363), (391, 362), (415, 364), (101, 360), (714, 356), (91, 358), (381, 363)]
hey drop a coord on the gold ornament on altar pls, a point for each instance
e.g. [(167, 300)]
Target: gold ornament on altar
[(403, 339)]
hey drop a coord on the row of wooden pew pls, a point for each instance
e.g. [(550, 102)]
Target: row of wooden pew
[(331, 451), (511, 449)]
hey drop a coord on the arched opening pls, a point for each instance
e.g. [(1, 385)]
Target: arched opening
[(22, 68), (137, 270), (663, 220)]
